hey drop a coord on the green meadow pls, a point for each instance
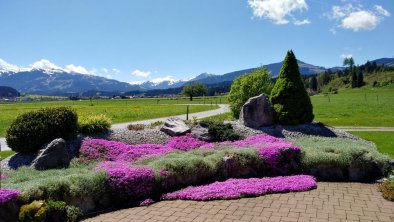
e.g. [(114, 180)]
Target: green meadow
[(383, 140), (365, 106), (117, 110)]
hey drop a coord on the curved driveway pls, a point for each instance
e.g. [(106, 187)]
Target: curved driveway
[(223, 108)]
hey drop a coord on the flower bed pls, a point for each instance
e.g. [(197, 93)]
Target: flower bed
[(237, 188), (99, 149), (134, 173)]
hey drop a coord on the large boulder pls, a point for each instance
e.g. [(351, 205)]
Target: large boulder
[(53, 155), (174, 126), (201, 133), (257, 111)]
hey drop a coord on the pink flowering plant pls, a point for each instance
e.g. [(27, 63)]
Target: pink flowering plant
[(237, 188), (185, 143), (104, 150), (147, 202), (7, 195), (280, 155), (127, 181)]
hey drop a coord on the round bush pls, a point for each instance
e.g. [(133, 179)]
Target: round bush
[(247, 86), (95, 124), (31, 130)]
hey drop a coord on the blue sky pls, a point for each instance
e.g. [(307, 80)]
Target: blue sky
[(137, 40)]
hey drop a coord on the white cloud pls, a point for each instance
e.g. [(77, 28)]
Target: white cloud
[(301, 22), (45, 65), (344, 56), (136, 82), (140, 73), (77, 69), (50, 68), (379, 9), (361, 20), (358, 18), (333, 31), (8, 67), (162, 79), (116, 71), (105, 72), (278, 11)]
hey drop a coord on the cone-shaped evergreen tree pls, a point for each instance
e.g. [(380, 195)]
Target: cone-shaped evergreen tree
[(290, 100)]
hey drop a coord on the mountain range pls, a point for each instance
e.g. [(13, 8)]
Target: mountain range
[(54, 81)]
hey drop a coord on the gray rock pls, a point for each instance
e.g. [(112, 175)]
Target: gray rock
[(257, 111), (175, 127), (201, 133), (391, 162), (53, 155)]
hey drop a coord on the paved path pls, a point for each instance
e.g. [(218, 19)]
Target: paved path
[(223, 108), (337, 202), (365, 128)]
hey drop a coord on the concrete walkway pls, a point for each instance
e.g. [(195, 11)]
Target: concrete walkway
[(366, 128), (223, 108), (337, 202)]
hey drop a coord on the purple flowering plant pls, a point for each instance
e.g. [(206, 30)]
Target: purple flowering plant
[(185, 143), (7, 195), (237, 188), (128, 181), (147, 202), (104, 150)]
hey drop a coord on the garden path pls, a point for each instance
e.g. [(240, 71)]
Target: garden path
[(329, 202), (223, 108), (365, 128)]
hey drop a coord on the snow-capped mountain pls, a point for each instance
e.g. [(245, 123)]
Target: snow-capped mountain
[(44, 77)]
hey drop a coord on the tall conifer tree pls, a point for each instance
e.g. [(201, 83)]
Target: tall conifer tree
[(291, 102)]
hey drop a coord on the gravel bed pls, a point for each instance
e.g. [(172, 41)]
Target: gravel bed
[(302, 130), (146, 136)]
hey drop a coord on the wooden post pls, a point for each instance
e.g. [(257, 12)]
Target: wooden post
[(187, 112)]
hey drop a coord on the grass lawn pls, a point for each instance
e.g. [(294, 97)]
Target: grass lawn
[(356, 107), (383, 140), (220, 117), (352, 107), (5, 154), (118, 110)]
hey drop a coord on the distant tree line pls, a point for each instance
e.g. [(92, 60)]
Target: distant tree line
[(352, 75)]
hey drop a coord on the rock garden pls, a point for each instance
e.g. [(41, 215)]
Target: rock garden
[(68, 168)]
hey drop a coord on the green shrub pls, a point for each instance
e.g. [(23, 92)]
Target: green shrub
[(289, 98), (387, 189), (73, 214), (136, 127), (94, 124), (340, 155), (179, 169), (77, 181), (247, 86), (31, 130), (220, 131), (156, 124), (41, 211), (34, 212)]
